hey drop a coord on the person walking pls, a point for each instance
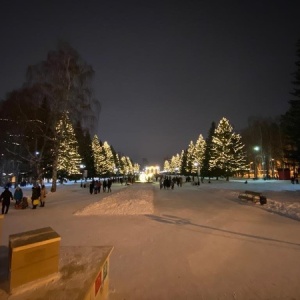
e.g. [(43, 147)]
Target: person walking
[(109, 183), (18, 195), (92, 186), (35, 196), (104, 185), (43, 195), (5, 197)]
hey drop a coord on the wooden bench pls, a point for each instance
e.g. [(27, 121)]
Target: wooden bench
[(253, 196)]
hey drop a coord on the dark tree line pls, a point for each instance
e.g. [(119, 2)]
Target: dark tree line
[(290, 121)]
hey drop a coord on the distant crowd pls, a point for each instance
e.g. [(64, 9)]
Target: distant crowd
[(168, 182)]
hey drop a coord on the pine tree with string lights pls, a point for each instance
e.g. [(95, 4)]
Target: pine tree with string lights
[(126, 165), (108, 165), (198, 153), (183, 162), (175, 163), (227, 154), (190, 158), (167, 166), (68, 157), (99, 158)]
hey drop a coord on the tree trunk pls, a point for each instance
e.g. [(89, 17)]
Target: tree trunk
[(54, 176)]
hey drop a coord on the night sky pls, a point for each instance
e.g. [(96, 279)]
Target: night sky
[(164, 70)]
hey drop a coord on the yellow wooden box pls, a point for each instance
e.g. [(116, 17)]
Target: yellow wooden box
[(33, 255)]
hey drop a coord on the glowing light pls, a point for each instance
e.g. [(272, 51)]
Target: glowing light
[(143, 177)]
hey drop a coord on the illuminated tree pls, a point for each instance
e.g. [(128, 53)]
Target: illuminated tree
[(136, 168), (167, 166), (175, 163), (183, 162), (108, 164), (98, 155), (190, 158), (228, 156), (206, 170), (198, 154), (69, 160), (126, 165)]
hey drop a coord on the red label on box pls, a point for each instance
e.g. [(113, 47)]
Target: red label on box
[(98, 282)]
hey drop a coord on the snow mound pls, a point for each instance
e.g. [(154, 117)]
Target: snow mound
[(129, 201), (286, 208)]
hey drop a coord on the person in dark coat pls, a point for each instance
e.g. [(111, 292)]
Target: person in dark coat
[(35, 196), (5, 197), (109, 183), (104, 185), (92, 187), (18, 195)]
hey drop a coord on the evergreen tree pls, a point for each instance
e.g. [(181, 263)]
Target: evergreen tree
[(183, 162), (99, 158), (117, 162), (68, 157), (175, 163), (291, 119), (167, 166), (126, 165), (228, 156), (206, 170), (190, 158), (198, 154), (136, 168), (108, 165), (85, 149)]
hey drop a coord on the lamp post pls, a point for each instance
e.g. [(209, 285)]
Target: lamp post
[(256, 149)]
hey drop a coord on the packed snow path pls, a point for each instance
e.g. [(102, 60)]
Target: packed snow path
[(187, 243)]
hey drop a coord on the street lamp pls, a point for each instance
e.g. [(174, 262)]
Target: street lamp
[(256, 149)]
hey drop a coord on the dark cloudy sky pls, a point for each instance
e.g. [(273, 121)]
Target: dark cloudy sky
[(164, 69)]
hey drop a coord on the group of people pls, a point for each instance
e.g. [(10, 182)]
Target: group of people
[(168, 182), (95, 186), (38, 197)]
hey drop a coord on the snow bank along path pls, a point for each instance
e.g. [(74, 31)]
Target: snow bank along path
[(283, 198), (129, 201)]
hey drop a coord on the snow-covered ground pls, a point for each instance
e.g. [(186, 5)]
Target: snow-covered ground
[(186, 243), (283, 198)]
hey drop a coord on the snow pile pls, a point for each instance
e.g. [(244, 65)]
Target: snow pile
[(129, 201), (287, 208), (282, 197)]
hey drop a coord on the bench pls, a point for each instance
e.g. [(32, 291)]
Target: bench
[(253, 196)]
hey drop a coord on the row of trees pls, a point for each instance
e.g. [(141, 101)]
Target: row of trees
[(226, 153), (221, 154), (47, 123), (104, 161)]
